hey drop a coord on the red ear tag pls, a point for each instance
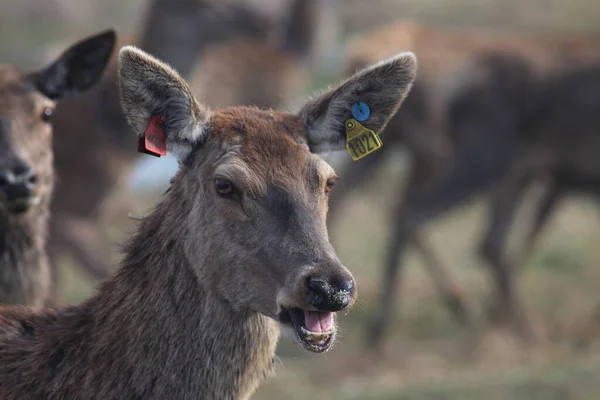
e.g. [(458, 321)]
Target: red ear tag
[(153, 142)]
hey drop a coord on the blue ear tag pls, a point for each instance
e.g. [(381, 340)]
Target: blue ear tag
[(360, 111)]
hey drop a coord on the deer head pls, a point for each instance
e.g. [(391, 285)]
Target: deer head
[(26, 104), (251, 194)]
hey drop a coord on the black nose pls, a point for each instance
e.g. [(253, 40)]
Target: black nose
[(17, 184), (326, 297)]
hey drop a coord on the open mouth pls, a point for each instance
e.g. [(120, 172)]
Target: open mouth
[(314, 329)]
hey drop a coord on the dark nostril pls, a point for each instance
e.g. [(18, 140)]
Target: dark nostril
[(26, 175), (347, 286), (32, 180), (318, 292), (318, 285)]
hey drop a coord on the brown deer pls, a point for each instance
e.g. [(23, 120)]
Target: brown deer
[(27, 101), (237, 248), (199, 28), (448, 169)]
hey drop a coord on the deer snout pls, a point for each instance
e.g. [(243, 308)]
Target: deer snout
[(329, 295), (309, 303), (17, 187)]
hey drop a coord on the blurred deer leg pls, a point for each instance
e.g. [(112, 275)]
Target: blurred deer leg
[(505, 203), (451, 295), (545, 209), (426, 165), (456, 184), (389, 285)]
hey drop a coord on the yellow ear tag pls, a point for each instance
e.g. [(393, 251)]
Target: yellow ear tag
[(360, 141)]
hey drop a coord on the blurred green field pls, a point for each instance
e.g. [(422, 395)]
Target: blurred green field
[(427, 356)]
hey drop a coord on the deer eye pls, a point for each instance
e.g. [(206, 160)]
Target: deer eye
[(224, 186), (329, 185), (47, 114)]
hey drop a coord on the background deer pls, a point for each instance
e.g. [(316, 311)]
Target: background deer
[(202, 30), (237, 247), (27, 102), (265, 72), (549, 143), (472, 83)]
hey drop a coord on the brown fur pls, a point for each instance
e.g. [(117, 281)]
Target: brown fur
[(195, 309), (26, 143)]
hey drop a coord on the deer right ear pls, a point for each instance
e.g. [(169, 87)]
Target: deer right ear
[(372, 96), (150, 88)]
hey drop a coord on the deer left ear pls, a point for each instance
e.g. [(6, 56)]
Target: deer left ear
[(371, 96)]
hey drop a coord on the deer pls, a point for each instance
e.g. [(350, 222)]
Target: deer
[(235, 252), (27, 102), (447, 170), (202, 30), (554, 145)]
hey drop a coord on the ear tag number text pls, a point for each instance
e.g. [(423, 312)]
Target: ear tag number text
[(360, 141)]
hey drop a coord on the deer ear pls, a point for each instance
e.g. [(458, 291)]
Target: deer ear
[(377, 90), (77, 68), (150, 88)]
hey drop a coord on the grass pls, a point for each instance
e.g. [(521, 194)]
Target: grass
[(576, 379)]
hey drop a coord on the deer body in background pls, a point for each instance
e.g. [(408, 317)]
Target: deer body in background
[(459, 148), (264, 72), (27, 101), (237, 248), (554, 141), (196, 27)]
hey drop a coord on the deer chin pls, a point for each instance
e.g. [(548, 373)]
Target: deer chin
[(314, 330)]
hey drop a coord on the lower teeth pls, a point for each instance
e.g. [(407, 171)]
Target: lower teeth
[(316, 338)]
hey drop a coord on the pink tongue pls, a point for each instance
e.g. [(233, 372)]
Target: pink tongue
[(318, 321)]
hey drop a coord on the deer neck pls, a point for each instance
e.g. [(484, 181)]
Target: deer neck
[(160, 315), (24, 269)]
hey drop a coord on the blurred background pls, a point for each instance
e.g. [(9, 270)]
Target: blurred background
[(454, 333)]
